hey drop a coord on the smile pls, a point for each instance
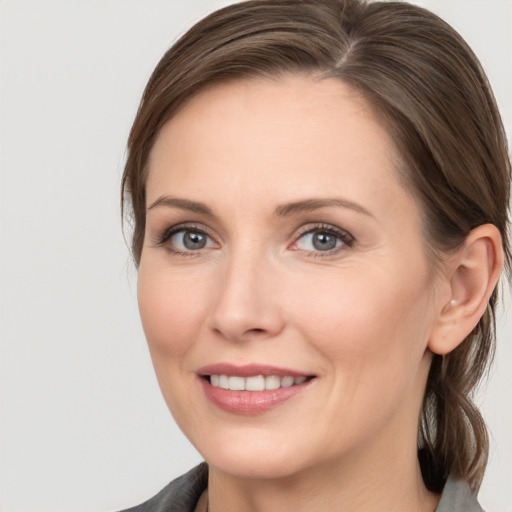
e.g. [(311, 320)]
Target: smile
[(251, 389), (254, 383)]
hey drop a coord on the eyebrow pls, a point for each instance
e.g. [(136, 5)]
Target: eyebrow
[(308, 205), (182, 204), (285, 210)]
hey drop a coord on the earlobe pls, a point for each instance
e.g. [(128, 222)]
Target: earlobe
[(474, 272)]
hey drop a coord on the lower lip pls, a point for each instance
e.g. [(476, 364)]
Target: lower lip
[(250, 403)]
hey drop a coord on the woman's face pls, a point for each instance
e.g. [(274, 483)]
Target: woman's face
[(281, 246)]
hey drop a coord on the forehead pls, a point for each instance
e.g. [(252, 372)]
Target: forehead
[(273, 105), (287, 137)]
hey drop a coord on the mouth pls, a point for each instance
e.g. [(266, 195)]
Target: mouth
[(255, 382), (251, 389)]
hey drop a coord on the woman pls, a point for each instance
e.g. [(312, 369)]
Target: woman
[(319, 193)]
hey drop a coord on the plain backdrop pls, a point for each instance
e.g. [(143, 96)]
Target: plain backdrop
[(83, 425)]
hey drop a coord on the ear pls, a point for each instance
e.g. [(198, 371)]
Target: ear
[(472, 274)]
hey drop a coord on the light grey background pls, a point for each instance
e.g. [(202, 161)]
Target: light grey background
[(83, 425)]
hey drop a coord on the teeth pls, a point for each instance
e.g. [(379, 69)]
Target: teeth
[(255, 383), (223, 381), (272, 382), (286, 382), (236, 383)]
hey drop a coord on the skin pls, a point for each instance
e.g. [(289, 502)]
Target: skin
[(359, 317)]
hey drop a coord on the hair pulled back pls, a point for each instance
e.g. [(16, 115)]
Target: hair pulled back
[(430, 91)]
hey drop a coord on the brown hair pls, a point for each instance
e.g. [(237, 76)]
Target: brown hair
[(432, 94)]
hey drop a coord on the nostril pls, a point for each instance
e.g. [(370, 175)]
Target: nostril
[(238, 320)]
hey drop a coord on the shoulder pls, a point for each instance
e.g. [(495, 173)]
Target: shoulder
[(457, 496), (181, 495)]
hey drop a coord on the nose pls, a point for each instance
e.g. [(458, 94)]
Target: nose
[(247, 304)]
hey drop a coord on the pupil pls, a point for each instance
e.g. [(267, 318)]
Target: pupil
[(194, 241), (324, 241)]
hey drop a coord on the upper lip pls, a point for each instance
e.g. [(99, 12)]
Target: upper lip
[(248, 370)]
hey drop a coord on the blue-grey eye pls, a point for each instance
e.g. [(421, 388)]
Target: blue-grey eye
[(324, 241), (319, 240), (189, 240)]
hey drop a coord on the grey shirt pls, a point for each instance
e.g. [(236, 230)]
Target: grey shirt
[(182, 494)]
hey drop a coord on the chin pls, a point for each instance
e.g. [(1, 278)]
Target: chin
[(253, 457), (255, 466)]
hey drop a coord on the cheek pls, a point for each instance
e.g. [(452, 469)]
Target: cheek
[(372, 335), (368, 319), (170, 310), (172, 314)]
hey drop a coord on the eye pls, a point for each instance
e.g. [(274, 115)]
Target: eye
[(323, 239), (185, 240), (189, 240)]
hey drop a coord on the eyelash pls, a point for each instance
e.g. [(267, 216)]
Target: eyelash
[(163, 237), (346, 239)]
